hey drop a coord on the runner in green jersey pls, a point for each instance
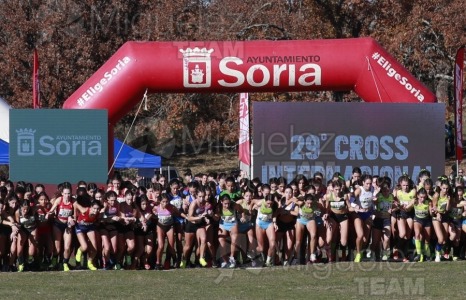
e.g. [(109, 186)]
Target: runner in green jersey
[(422, 224), (404, 195), (266, 226), (457, 211), (381, 229), (441, 206), (309, 214)]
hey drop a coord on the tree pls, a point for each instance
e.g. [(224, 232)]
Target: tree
[(74, 38)]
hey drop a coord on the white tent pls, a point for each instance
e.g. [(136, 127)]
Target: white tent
[(4, 120)]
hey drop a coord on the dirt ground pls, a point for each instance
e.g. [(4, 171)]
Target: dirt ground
[(205, 162)]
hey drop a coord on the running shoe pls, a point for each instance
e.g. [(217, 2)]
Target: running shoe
[(437, 256), (357, 258), (147, 266), (232, 264), (79, 255), (251, 254), (166, 265), (117, 267), (128, 260), (202, 261), (417, 258), (344, 257), (384, 257), (224, 265), (91, 266), (53, 265), (20, 267), (183, 264), (396, 255), (269, 264), (66, 268)]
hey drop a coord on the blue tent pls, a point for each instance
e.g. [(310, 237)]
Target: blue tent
[(4, 153), (128, 157), (133, 158)]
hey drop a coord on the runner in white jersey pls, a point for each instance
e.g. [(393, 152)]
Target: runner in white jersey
[(363, 205)]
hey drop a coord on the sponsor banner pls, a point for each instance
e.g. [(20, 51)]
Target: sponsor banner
[(244, 141), (361, 65), (381, 139), (458, 83), (53, 146), (103, 81)]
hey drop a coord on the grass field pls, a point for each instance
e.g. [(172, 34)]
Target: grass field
[(322, 281)]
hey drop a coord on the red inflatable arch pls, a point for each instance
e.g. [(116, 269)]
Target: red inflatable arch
[(359, 64)]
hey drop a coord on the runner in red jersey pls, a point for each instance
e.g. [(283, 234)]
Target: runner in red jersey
[(63, 222), (44, 229), (85, 230)]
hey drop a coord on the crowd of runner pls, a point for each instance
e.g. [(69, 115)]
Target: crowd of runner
[(225, 220)]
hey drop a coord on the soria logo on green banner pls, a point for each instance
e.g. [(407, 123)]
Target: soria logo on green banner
[(52, 146)]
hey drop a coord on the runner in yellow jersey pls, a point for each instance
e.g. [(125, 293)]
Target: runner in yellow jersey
[(405, 194), (247, 228), (310, 213), (422, 224), (441, 206), (266, 226), (457, 211), (381, 229)]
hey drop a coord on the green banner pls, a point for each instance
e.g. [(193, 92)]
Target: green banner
[(57, 145)]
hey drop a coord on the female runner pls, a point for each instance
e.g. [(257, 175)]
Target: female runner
[(144, 233), (196, 221), (404, 195), (44, 229), (63, 210), (458, 204), (85, 230), (381, 228), (128, 216), (337, 204), (441, 203), (176, 199), (166, 214), (229, 211), (26, 218), (266, 225), (247, 228), (11, 227), (308, 213), (286, 221), (422, 224), (363, 206), (110, 226)]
